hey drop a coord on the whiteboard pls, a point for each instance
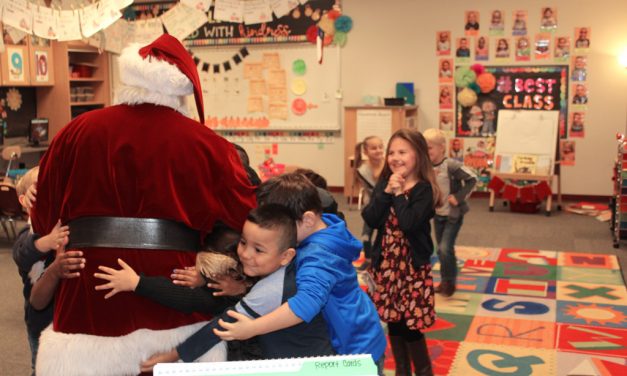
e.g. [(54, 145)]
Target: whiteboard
[(227, 93), (522, 132)]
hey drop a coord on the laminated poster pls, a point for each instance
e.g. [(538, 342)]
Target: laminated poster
[(582, 39), (562, 49), (567, 152), (445, 73), (497, 23), (580, 96), (15, 57), (482, 48), (462, 50), (443, 43), (471, 27), (579, 73), (523, 48), (502, 49), (548, 20), (446, 122), (543, 46), (456, 149), (519, 27), (446, 100), (576, 128)]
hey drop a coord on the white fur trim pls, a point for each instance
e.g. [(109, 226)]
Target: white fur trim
[(36, 271), (82, 354), (152, 74), (136, 95)]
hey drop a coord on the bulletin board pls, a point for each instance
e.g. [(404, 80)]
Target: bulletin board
[(263, 87), (530, 88), (526, 141)]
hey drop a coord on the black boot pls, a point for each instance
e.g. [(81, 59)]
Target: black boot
[(419, 355), (445, 288), (401, 356)]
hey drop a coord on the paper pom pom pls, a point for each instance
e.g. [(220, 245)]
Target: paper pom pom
[(464, 77), (327, 40), (486, 82), (477, 68), (474, 87), (333, 14), (467, 97), (312, 34), (340, 38), (344, 24), (327, 25)]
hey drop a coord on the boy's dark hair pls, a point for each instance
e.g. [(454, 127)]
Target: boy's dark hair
[(314, 177), (253, 178), (293, 191), (276, 217)]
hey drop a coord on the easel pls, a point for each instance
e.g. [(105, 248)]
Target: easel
[(547, 178), (529, 132)]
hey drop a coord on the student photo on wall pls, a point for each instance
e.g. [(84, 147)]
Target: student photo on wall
[(523, 48), (580, 96), (520, 23), (456, 149), (443, 43), (497, 23), (472, 23), (446, 70), (567, 152), (463, 48), (502, 48), (562, 48), (446, 99), (446, 122), (482, 50), (579, 73), (543, 46), (548, 22), (576, 124), (582, 35)]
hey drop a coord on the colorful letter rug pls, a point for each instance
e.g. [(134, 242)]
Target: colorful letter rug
[(530, 312)]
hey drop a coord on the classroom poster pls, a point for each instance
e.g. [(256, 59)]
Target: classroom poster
[(542, 46), (517, 87), (519, 27), (502, 50), (445, 73), (562, 49), (15, 57), (523, 48), (567, 152), (577, 126), (471, 28), (582, 39), (548, 20), (41, 71), (497, 23), (443, 43), (482, 48)]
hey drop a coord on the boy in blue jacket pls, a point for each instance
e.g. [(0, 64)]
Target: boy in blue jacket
[(325, 278)]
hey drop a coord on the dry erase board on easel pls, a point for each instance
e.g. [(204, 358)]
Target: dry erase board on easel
[(263, 87), (526, 141)]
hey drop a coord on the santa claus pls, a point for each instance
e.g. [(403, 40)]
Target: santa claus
[(140, 181)]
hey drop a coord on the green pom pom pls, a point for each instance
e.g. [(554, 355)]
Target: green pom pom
[(464, 76), (339, 38)]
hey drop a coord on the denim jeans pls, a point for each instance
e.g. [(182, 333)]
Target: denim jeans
[(446, 230)]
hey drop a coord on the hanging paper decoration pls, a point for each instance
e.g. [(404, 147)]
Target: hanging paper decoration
[(467, 97), (224, 66), (464, 76), (486, 82), (344, 24)]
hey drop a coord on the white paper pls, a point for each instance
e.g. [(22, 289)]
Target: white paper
[(18, 14), (228, 10), (282, 7), (68, 26), (202, 5), (257, 11), (15, 34), (181, 20), (147, 30), (42, 64), (108, 13), (90, 24), (45, 23), (121, 4), (374, 123), (116, 36)]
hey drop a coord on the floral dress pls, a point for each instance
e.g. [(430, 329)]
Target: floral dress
[(402, 292)]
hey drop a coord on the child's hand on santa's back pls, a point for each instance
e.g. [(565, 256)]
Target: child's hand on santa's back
[(121, 280), (67, 264), (188, 276), (452, 200), (226, 285)]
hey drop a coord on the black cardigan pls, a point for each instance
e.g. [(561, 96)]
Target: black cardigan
[(413, 212)]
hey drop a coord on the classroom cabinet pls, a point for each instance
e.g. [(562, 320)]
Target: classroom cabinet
[(361, 121), (81, 83), (29, 63)]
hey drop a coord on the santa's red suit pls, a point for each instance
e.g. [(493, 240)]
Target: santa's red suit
[(142, 158)]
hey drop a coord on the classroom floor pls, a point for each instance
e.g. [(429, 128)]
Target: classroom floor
[(562, 234)]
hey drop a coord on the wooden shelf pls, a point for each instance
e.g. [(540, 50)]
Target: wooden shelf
[(90, 79), (77, 104)]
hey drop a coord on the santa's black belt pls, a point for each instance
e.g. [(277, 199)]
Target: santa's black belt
[(139, 233)]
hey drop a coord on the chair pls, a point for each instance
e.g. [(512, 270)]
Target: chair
[(10, 209), (9, 153)]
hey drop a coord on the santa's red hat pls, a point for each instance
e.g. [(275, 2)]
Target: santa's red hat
[(162, 73)]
